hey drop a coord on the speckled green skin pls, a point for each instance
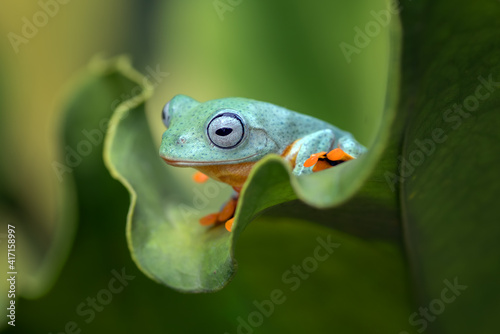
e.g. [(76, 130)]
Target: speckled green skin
[(268, 129)]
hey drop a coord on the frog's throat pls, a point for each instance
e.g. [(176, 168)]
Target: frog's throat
[(235, 175)]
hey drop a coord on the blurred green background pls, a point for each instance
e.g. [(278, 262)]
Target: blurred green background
[(284, 52)]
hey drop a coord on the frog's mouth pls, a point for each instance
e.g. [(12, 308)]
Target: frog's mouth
[(187, 163)]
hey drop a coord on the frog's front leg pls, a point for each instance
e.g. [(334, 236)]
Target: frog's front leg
[(321, 150), (349, 145), (302, 149)]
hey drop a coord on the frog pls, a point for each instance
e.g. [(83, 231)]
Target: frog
[(224, 138)]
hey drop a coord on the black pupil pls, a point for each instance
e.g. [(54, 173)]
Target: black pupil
[(223, 131)]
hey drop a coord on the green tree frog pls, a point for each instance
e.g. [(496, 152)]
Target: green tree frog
[(224, 138)]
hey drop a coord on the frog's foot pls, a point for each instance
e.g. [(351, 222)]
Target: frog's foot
[(229, 224), (323, 160), (199, 177), (226, 215)]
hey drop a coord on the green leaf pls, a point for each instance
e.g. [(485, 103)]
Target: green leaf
[(449, 176), (170, 246), (186, 256), (439, 178)]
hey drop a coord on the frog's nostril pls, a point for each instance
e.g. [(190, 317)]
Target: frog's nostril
[(181, 140)]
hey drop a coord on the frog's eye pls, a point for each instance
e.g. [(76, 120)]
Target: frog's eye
[(165, 116), (226, 130)]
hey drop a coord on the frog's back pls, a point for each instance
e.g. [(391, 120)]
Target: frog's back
[(285, 126)]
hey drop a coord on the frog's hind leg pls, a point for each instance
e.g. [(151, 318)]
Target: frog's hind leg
[(225, 215)]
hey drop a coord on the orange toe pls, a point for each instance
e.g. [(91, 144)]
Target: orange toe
[(313, 159), (199, 177), (210, 219), (321, 165), (311, 162), (229, 224), (228, 210), (337, 154)]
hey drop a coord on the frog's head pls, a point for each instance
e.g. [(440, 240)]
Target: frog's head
[(217, 132)]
